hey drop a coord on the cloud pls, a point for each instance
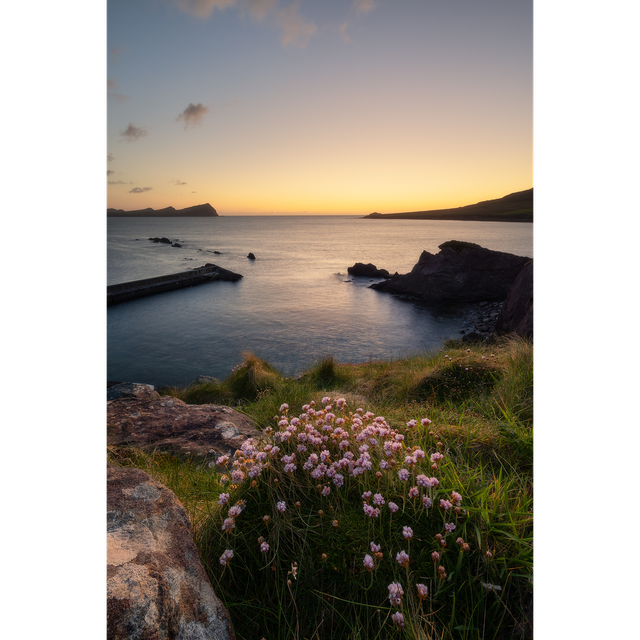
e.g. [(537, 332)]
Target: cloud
[(193, 114), (140, 189), (112, 85), (115, 52), (121, 182), (203, 8), (363, 6), (132, 133), (178, 183), (109, 157), (296, 30), (343, 32), (110, 171), (260, 8)]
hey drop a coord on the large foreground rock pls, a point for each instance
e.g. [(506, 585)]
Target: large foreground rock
[(516, 315), (168, 424), (460, 272), (157, 588)]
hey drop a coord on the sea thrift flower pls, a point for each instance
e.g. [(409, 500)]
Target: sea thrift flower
[(425, 422), (378, 500), (224, 498), (366, 495), (422, 591), (489, 555), (264, 547), (395, 594), (237, 475), (422, 480), (371, 511), (266, 519), (222, 460), (226, 557), (436, 456), (402, 559), (228, 524), (412, 423), (403, 474), (426, 501), (368, 562), (445, 504), (235, 511), (284, 407), (435, 556), (414, 492), (398, 619), (449, 526), (375, 548), (326, 490), (407, 532), (393, 507), (456, 498), (335, 523), (281, 506)]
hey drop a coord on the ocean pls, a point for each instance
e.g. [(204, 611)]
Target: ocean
[(295, 303)]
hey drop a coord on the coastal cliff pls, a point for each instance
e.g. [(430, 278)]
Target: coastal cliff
[(515, 207), (197, 211)]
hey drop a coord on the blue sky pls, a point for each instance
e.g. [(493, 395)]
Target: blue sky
[(272, 106)]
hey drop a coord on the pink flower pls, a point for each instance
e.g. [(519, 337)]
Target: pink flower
[(264, 547), (422, 480), (281, 506), (426, 501), (226, 557), (412, 423), (237, 475), (223, 498), (445, 504), (326, 490), (456, 498), (222, 460), (449, 526), (393, 507), (402, 559), (368, 562), (284, 407), (375, 548), (366, 495), (403, 474), (371, 511), (235, 511), (425, 422), (395, 593), (228, 524), (414, 492), (435, 556), (407, 532), (398, 620), (378, 500), (422, 591)]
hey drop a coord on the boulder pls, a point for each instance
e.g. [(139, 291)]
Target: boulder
[(156, 585), (251, 256), (168, 424), (132, 390), (461, 272), (516, 315), (367, 270)]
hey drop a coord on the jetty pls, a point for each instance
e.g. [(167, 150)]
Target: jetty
[(125, 291)]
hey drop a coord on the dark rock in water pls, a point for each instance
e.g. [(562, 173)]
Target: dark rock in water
[(516, 315), (217, 252), (175, 244), (460, 272), (367, 270), (163, 240), (132, 390), (201, 379), (251, 256)]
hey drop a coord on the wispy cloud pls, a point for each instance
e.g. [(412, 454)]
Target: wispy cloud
[(122, 182), (260, 8), (112, 85), (363, 6), (178, 183), (296, 30), (203, 8), (115, 52), (132, 133), (343, 32), (140, 189), (193, 114), (110, 171), (110, 157)]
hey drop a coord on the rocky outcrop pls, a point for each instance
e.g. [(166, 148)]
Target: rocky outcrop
[(168, 424), (460, 272), (516, 315), (157, 587), (197, 211), (367, 270), (251, 256), (132, 390)]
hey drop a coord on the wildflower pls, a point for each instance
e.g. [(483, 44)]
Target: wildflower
[(284, 407), (413, 492), (324, 556), (297, 504), (366, 495), (445, 504), (371, 511), (456, 498), (237, 475), (426, 501), (224, 479), (435, 556), (407, 532), (378, 500), (235, 511), (398, 619), (422, 591), (223, 498), (368, 562), (281, 506), (393, 507), (222, 460), (264, 547), (289, 468), (326, 490), (459, 542), (301, 448), (375, 548), (422, 480), (226, 557), (228, 524), (335, 523), (412, 423), (403, 474), (338, 480), (395, 594), (465, 547), (402, 559), (489, 555), (449, 526), (266, 519), (436, 456), (425, 421), (326, 400)]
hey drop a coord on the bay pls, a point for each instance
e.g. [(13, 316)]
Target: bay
[(295, 303)]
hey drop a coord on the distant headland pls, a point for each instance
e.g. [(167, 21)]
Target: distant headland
[(516, 207), (197, 211)]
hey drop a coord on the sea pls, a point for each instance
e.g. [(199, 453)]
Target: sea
[(295, 303)]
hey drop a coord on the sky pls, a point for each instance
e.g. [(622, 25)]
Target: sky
[(309, 107)]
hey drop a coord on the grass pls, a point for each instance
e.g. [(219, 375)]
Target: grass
[(313, 582)]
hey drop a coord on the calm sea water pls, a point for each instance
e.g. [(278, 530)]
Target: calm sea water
[(295, 304)]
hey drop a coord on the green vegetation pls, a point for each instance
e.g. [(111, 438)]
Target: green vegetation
[(399, 457)]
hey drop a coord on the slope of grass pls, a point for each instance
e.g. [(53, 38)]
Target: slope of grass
[(300, 538)]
